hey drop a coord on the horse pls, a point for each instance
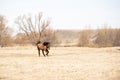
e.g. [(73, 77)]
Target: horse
[(44, 47)]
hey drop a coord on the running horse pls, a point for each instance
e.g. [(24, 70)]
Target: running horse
[(45, 46)]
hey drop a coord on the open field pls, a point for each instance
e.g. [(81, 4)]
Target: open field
[(63, 63)]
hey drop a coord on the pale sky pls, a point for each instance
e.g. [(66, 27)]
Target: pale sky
[(66, 14)]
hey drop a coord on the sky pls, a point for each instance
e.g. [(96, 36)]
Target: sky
[(65, 14)]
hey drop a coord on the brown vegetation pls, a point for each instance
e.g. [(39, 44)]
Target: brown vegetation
[(117, 38)]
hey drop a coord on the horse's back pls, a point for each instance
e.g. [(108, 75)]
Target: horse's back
[(41, 46)]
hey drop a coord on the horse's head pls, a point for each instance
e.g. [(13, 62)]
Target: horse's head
[(47, 44)]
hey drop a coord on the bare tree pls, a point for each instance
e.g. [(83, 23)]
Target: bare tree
[(105, 37), (117, 38), (84, 38), (33, 27), (5, 32)]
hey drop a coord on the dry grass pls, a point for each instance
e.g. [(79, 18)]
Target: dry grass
[(64, 63)]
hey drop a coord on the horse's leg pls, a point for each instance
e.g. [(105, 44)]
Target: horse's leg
[(39, 52), (43, 52), (47, 52)]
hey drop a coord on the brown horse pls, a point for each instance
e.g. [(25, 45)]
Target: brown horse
[(44, 47)]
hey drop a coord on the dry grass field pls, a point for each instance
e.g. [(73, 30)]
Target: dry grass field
[(63, 63)]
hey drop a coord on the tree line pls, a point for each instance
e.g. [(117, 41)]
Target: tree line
[(103, 37), (34, 28)]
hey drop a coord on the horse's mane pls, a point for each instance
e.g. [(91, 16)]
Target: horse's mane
[(46, 43)]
